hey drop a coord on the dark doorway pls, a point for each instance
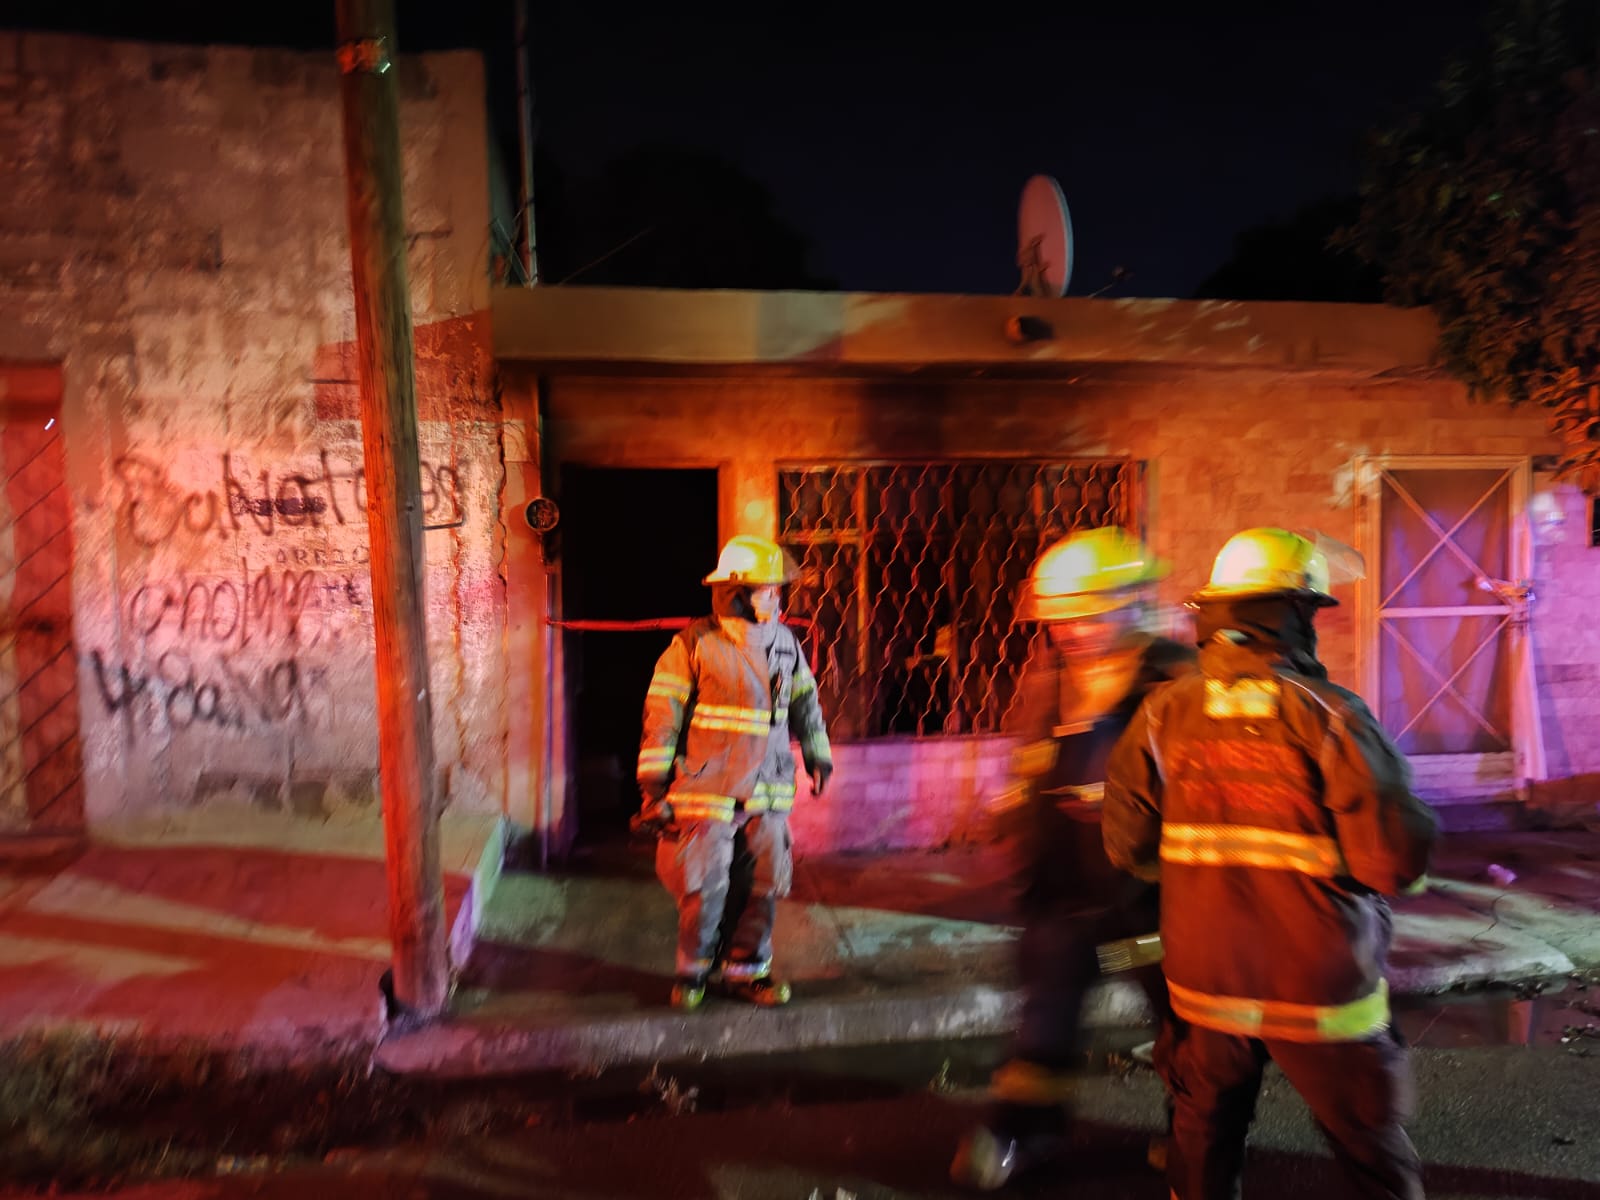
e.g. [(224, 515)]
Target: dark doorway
[(635, 546)]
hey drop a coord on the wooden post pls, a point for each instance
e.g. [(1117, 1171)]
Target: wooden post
[(421, 978)]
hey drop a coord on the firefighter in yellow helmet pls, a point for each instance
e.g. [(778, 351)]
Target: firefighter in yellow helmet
[(1279, 816), (1091, 592), (717, 775)]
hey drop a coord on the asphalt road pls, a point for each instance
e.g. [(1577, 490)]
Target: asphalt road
[(1497, 1122)]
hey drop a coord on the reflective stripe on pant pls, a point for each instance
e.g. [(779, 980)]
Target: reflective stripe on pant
[(727, 879), (1359, 1092)]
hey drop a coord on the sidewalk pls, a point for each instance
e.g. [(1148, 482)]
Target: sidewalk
[(253, 938), (223, 929), (571, 971)]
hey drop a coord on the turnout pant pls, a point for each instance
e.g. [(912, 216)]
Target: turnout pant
[(1071, 904), (1360, 1094), (1058, 964), (727, 879), (1071, 901)]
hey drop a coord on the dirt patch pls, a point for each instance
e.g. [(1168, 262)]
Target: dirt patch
[(84, 1112)]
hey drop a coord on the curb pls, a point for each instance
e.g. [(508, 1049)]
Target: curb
[(462, 1048), (1514, 958), (257, 1048)]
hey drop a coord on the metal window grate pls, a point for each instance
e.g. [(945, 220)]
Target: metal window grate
[(909, 574), (41, 773)]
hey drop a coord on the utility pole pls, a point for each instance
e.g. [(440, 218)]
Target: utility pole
[(527, 241), (421, 978)]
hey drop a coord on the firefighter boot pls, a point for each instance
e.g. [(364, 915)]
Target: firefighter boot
[(1158, 1151), (1155, 1153), (1018, 1139), (689, 992), (765, 992)]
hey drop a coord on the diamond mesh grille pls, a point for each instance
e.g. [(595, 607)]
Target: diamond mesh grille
[(909, 574)]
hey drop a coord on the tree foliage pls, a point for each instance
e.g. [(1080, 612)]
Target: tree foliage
[(675, 217), (1485, 205), (1292, 260)]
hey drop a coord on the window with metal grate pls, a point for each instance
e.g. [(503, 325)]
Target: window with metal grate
[(910, 573)]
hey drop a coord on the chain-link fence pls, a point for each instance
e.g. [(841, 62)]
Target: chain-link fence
[(909, 574)]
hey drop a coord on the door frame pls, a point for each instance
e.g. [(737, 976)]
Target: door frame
[(1527, 756)]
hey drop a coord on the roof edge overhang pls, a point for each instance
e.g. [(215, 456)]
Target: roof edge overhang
[(644, 329)]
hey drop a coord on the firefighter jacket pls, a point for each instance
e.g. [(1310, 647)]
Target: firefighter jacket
[(1058, 769), (718, 719), (1279, 814)]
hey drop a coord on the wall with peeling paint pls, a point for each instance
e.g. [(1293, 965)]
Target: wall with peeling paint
[(175, 240)]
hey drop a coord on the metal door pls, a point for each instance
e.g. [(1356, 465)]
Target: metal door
[(1445, 611), (41, 774)]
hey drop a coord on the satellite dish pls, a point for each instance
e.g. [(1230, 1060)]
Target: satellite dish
[(1044, 239)]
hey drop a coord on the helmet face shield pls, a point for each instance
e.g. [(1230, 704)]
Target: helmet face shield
[(1345, 564)]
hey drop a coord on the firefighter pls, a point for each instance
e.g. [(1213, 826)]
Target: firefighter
[(1091, 593), (1279, 815), (717, 775)]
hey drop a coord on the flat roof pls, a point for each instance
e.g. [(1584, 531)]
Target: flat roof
[(840, 331)]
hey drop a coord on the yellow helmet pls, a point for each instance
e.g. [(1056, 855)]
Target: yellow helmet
[(754, 562), (1268, 561), (1087, 573)]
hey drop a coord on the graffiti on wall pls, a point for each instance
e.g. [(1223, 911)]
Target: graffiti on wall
[(220, 693), (273, 604), (239, 654), (254, 645), (154, 510)]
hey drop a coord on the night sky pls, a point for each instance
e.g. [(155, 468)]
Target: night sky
[(898, 143)]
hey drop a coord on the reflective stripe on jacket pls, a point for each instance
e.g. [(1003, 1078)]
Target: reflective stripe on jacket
[(1279, 814), (718, 719)]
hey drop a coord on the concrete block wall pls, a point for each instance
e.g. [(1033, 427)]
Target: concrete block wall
[(173, 235), (902, 793)]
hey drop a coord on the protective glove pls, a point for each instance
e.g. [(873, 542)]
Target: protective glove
[(653, 818), (820, 774), (1008, 816)]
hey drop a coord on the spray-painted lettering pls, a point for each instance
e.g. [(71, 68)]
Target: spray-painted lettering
[(154, 509), (289, 606), (173, 691)]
